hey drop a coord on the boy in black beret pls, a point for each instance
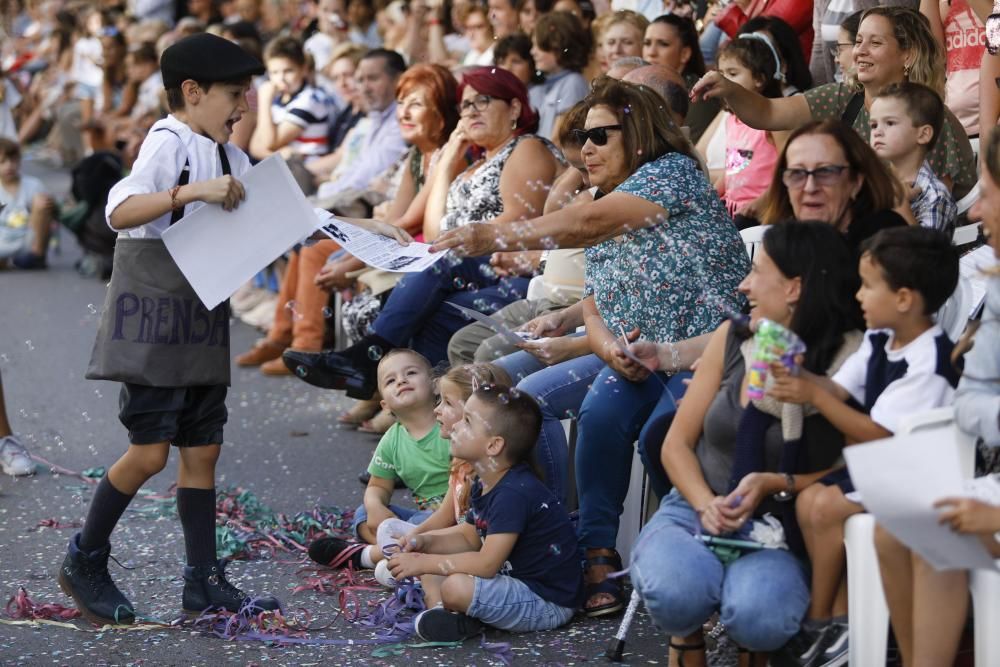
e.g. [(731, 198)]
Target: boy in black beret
[(168, 350)]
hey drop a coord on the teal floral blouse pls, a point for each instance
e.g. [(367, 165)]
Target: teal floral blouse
[(677, 278)]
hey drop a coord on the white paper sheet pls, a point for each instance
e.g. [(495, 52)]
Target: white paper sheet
[(217, 250), (900, 479), (376, 250), (492, 322)]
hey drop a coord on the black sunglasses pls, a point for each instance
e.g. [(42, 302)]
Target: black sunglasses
[(597, 135)]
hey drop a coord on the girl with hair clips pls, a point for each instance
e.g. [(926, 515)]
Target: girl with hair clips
[(893, 44)]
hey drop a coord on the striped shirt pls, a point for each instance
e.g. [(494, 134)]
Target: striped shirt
[(309, 109)]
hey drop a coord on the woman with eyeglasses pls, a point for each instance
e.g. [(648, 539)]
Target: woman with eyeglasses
[(893, 44), (827, 173), (507, 181), (663, 262)]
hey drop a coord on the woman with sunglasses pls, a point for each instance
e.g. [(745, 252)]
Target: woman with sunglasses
[(893, 44), (507, 182), (827, 173), (663, 262)]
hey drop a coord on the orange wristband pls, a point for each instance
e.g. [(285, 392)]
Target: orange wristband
[(175, 204)]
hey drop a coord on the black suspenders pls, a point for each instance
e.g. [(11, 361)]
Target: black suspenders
[(186, 173)]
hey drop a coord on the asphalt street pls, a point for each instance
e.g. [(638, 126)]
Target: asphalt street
[(282, 444)]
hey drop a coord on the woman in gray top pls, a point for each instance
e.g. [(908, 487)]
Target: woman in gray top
[(731, 459)]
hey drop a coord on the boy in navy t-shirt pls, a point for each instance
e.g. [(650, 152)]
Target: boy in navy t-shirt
[(517, 542), (902, 368)]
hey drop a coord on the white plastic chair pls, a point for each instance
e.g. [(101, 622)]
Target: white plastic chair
[(966, 234), (536, 289), (753, 237), (966, 202), (867, 612), (954, 314)]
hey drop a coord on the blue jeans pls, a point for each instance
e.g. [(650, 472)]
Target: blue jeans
[(651, 437), (710, 41), (507, 603), (415, 313), (761, 597), (560, 391), (404, 513), (611, 417)]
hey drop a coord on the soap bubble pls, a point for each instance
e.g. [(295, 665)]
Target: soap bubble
[(301, 371), (327, 312), (85, 416), (375, 353), (92, 308), (459, 283), (29, 344), (290, 305)]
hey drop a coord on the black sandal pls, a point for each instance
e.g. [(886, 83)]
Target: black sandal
[(612, 587), (684, 648)]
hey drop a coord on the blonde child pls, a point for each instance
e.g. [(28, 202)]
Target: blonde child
[(454, 389), (412, 450)]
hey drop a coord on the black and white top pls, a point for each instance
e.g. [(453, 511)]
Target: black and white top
[(310, 109), (475, 196), (892, 384)]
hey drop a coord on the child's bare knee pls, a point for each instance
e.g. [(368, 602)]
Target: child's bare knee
[(456, 592), (200, 458), (148, 461)]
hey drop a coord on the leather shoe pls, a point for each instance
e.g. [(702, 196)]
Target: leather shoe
[(326, 369), (330, 370)]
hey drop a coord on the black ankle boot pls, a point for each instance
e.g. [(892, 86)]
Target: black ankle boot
[(352, 369), (85, 578), (206, 587)]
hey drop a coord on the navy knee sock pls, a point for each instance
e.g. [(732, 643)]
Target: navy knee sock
[(106, 509), (196, 509)]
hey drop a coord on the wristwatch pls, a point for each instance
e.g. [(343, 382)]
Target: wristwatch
[(788, 492)]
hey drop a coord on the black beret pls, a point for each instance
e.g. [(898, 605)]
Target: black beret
[(206, 57)]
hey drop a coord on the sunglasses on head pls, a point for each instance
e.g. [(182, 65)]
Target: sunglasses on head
[(597, 135)]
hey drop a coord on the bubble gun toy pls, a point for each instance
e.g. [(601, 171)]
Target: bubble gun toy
[(774, 343)]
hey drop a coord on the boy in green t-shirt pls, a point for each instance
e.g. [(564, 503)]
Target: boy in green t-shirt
[(412, 451)]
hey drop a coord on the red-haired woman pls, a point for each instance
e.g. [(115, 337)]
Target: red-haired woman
[(426, 96), (507, 181)]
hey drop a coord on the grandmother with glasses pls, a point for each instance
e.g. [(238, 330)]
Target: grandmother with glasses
[(827, 173)]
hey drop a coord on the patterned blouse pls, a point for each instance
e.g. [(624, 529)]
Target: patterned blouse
[(675, 279), (476, 197), (951, 156)]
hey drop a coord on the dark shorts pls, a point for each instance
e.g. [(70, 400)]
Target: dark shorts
[(840, 477), (182, 416)]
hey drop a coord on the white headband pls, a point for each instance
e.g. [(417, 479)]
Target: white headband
[(778, 74)]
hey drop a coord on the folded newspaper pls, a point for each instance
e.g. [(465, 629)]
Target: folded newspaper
[(381, 252)]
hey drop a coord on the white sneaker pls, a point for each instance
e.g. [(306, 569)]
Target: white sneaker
[(14, 458)]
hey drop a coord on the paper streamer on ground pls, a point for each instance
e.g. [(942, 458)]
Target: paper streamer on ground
[(900, 478), (376, 250), (218, 251)]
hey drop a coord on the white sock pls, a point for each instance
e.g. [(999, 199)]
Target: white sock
[(366, 557)]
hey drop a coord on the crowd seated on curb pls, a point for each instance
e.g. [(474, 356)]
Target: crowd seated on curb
[(633, 187)]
